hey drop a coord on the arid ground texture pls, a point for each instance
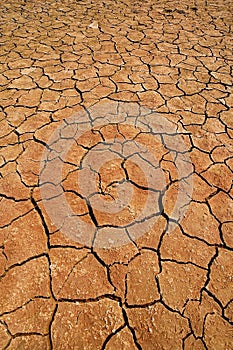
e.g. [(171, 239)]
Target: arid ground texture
[(116, 145)]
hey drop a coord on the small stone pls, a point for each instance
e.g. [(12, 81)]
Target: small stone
[(94, 25)]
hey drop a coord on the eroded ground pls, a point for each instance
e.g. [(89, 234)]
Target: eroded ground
[(85, 277)]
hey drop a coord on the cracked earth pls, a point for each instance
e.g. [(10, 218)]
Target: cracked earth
[(117, 281)]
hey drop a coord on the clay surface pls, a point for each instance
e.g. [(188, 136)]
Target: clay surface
[(116, 144)]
